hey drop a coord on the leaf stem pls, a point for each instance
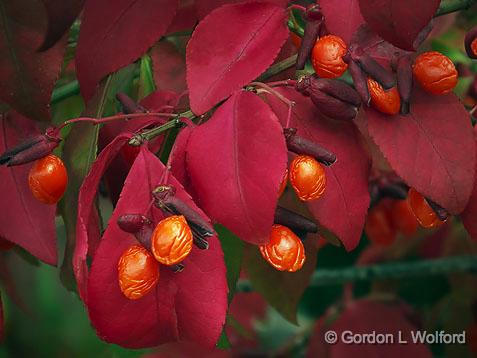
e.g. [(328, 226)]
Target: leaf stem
[(278, 67), (394, 271), (448, 6)]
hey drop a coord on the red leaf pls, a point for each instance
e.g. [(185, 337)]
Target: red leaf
[(236, 162), (61, 14), (28, 76), (398, 21), (230, 48), (24, 220), (114, 34), (190, 305), (369, 317), (186, 17), (169, 67), (86, 202), (343, 207), (470, 213), (178, 157), (342, 17), (432, 148), (204, 7)]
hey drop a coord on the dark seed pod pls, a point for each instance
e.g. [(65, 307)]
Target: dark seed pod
[(165, 199), (393, 191), (294, 221), (314, 20), (335, 99), (441, 213), (31, 149), (128, 105), (360, 82), (404, 82), (374, 193), (138, 225), (471, 43), (381, 75), (302, 146)]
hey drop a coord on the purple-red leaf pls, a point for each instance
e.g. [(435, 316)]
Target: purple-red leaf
[(231, 47), (61, 14), (186, 17), (178, 157), (204, 7), (343, 207), (342, 17), (24, 220), (398, 21), (28, 76), (84, 234), (236, 162), (432, 148), (469, 215), (169, 67), (189, 305), (114, 34)]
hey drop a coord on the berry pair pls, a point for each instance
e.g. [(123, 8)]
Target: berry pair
[(138, 268)]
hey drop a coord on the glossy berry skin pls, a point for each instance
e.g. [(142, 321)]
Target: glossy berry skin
[(435, 72), (296, 40), (422, 210), (403, 218), (387, 102), (473, 47), (284, 251), (283, 184), (171, 241), (327, 57), (138, 272), (379, 226), (48, 179), (307, 177)]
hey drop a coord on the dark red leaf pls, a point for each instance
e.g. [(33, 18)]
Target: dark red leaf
[(86, 202), (343, 207), (169, 67), (178, 157), (230, 48), (432, 148), (189, 305), (469, 215), (28, 76), (61, 14), (367, 317), (236, 162), (24, 220), (398, 21), (186, 17), (115, 34), (204, 7), (342, 17)]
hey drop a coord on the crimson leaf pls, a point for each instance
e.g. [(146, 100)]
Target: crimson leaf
[(342, 17), (432, 148), (28, 76), (231, 47), (204, 7), (105, 46), (190, 305), (343, 207), (236, 162), (398, 21), (24, 220), (84, 235), (169, 67)]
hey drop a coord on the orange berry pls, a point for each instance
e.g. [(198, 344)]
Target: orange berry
[(422, 210), (403, 219), (473, 46), (296, 40), (171, 240), (138, 272), (327, 56), (379, 225), (307, 177), (284, 251), (48, 179), (435, 72), (387, 102), (283, 184)]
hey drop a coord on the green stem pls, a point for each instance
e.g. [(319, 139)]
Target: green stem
[(297, 30), (278, 67), (65, 91), (397, 270), (448, 6)]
